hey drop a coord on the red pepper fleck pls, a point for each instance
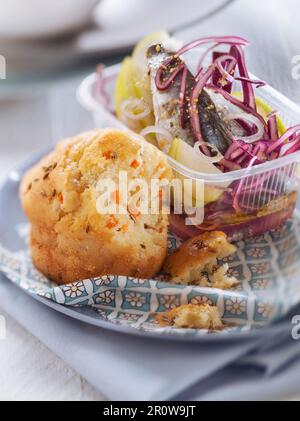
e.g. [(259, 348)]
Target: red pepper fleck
[(60, 197), (112, 222), (116, 196), (107, 154), (135, 164)]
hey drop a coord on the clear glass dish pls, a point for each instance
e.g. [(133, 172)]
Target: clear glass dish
[(270, 189)]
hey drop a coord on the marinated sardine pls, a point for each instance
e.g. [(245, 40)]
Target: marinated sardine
[(166, 105)]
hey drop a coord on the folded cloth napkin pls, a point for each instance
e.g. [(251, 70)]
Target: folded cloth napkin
[(271, 371), (125, 367), (263, 376)]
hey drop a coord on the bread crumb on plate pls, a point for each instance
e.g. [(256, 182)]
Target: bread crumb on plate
[(196, 262), (195, 316)]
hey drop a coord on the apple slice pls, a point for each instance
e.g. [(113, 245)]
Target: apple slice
[(186, 155)]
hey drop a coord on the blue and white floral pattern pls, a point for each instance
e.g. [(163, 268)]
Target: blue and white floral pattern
[(268, 268), (236, 307), (74, 290), (106, 298)]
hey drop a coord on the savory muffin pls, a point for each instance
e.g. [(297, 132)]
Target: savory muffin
[(196, 261), (70, 238)]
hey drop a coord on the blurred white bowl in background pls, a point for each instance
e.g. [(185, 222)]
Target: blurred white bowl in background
[(41, 19)]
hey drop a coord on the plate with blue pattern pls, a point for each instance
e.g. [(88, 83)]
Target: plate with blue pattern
[(268, 268)]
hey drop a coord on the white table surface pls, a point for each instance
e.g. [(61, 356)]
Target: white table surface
[(28, 370)]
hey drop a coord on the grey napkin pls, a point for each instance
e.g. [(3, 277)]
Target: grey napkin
[(272, 371), (124, 367)]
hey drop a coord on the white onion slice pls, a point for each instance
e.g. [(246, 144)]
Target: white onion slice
[(158, 131), (129, 105), (213, 159), (251, 119)]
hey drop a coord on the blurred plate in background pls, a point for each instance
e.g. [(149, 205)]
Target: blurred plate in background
[(116, 27), (121, 27), (31, 19)]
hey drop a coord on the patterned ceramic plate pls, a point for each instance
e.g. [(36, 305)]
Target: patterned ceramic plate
[(267, 267)]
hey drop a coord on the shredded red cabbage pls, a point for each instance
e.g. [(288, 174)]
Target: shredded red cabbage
[(248, 92), (229, 66), (227, 40), (193, 109), (272, 126), (163, 83), (258, 83), (284, 138), (182, 97), (206, 52)]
